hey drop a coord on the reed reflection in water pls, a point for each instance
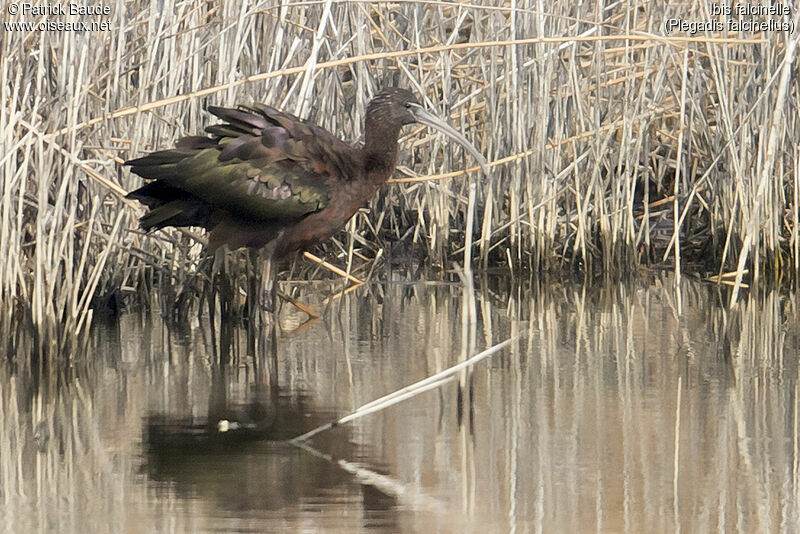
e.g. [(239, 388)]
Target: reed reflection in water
[(614, 409)]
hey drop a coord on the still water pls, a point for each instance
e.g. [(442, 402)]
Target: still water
[(634, 408)]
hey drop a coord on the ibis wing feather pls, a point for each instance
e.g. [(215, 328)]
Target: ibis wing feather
[(261, 164)]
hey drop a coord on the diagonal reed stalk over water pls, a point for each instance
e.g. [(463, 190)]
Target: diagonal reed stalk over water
[(432, 382), (593, 119)]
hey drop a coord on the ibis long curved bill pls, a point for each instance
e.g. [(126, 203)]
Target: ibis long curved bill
[(427, 118)]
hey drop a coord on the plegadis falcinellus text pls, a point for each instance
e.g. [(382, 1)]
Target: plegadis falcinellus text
[(265, 179)]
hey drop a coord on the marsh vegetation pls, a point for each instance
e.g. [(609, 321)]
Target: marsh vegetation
[(611, 145)]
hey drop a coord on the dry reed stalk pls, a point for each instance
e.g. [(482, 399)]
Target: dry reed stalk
[(431, 382)]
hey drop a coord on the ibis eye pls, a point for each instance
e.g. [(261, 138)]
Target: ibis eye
[(408, 105)]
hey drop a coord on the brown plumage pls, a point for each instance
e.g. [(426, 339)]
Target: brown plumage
[(265, 177)]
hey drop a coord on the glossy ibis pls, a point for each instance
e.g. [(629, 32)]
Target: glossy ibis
[(267, 180)]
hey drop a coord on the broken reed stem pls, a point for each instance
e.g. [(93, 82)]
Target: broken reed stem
[(332, 268), (407, 392)]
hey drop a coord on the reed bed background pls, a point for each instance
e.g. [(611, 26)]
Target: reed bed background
[(611, 144)]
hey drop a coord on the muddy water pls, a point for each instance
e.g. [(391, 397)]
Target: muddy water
[(619, 409)]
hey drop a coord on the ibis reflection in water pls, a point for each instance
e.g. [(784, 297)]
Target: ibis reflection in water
[(267, 180)]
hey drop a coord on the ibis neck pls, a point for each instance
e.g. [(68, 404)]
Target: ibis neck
[(380, 142)]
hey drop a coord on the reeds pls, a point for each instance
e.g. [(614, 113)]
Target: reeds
[(613, 145)]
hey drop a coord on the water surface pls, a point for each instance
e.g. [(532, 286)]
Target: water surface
[(615, 409)]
